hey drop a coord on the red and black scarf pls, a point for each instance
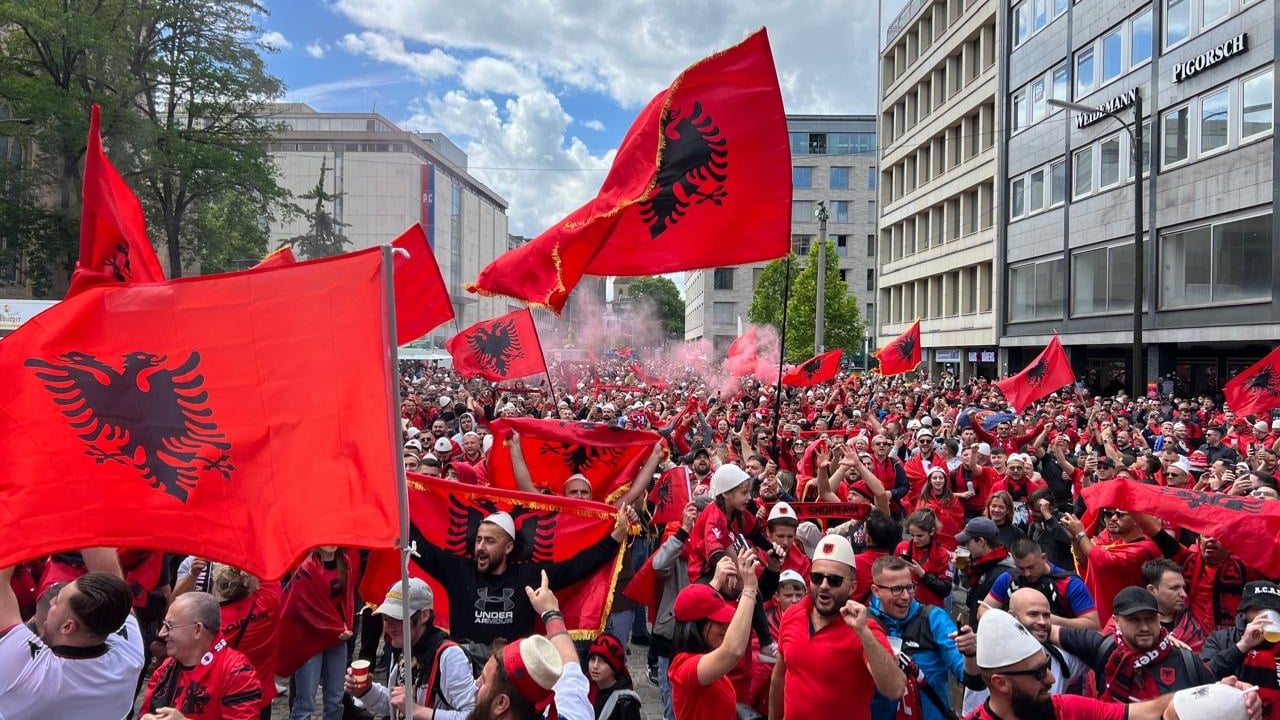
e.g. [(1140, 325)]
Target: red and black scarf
[(1128, 671)]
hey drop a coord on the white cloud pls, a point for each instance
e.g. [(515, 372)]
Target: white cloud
[(389, 48), (593, 125), (317, 49), (320, 93), (492, 75), (505, 142), (275, 40), (821, 49)]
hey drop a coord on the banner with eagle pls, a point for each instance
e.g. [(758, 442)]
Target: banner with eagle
[(445, 516), (113, 231), (503, 348), (901, 354), (1256, 390), (609, 457), (180, 416), (815, 371), (702, 179), (1048, 373)]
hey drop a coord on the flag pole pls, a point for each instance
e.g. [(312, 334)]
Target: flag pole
[(551, 388), (782, 354), (407, 549)]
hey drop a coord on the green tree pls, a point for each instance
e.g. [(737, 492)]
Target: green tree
[(843, 323), (665, 296), (324, 235), (229, 233)]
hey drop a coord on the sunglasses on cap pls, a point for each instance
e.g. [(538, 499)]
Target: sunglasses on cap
[(1039, 672), (832, 581)]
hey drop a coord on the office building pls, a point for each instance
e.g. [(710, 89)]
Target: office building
[(833, 160), (1204, 72), (939, 126)]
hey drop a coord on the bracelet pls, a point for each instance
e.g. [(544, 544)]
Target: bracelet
[(550, 615), (1079, 535), (749, 593), (555, 627), (557, 634)]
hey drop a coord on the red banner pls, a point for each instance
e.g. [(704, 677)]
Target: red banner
[(137, 412), (830, 510), (1048, 373), (446, 515), (901, 354), (814, 371), (553, 450), (422, 302), (1246, 526)]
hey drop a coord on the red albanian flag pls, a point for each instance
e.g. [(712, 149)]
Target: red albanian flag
[(815, 371), (644, 377), (444, 517), (701, 179), (670, 494), (1247, 526), (901, 354), (553, 450), (279, 258), (1049, 372), (1256, 390), (161, 407), (113, 232), (503, 348)]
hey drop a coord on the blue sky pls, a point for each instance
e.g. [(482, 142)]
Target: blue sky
[(540, 93)]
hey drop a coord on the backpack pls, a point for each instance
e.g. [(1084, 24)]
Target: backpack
[(477, 655)]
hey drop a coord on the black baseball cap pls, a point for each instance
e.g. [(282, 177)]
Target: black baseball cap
[(1260, 594), (1134, 599)]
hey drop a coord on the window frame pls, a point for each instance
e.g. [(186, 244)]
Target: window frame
[(1108, 247), (805, 168), (1241, 138), (1120, 163), (1034, 266), (834, 173), (1096, 48), (1227, 121), (1076, 194), (1165, 164), (1211, 226)]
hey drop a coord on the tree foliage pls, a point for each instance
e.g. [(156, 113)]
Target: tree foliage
[(228, 233), (665, 296), (324, 236), (843, 323)]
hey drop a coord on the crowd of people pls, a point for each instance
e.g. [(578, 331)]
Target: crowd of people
[(971, 582)]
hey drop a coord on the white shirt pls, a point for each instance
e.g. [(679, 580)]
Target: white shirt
[(457, 689), (36, 684)]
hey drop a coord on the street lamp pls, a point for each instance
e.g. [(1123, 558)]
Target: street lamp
[(1139, 263), (819, 346)]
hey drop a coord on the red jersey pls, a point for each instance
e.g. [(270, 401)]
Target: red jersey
[(1114, 566), (713, 532), (692, 701), (825, 669), (223, 686), (1067, 707), (252, 626)]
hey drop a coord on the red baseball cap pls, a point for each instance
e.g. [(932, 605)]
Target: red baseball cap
[(702, 602)]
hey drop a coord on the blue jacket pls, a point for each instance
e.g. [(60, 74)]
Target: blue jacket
[(935, 664)]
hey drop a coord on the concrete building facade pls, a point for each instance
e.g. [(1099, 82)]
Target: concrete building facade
[(386, 179), (939, 131), (1204, 71), (833, 160)]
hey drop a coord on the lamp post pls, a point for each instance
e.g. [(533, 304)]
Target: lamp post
[(1139, 262), (821, 302)]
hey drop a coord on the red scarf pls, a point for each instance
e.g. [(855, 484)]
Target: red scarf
[(1128, 671)]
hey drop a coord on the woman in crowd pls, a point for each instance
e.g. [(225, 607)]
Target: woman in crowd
[(1000, 511), (319, 609), (929, 557)]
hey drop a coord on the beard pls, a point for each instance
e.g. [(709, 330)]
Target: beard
[(480, 712), (1030, 707)]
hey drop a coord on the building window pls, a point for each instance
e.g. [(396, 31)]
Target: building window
[(1084, 72), (840, 211), (871, 246), (1029, 103), (1187, 18), (840, 178), (1082, 164), (1176, 136), (1225, 262), (1214, 120), (1112, 55), (724, 313), (1140, 39), (817, 143), (1218, 120), (1017, 198), (1032, 16), (871, 177), (1019, 119), (1110, 161), (1057, 182), (1102, 280), (842, 245), (799, 143), (871, 211), (871, 279), (802, 177), (800, 244), (1036, 291), (722, 279), (802, 211), (1177, 21), (1258, 100), (1035, 192)]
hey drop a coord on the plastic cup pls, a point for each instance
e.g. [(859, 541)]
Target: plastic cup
[(962, 558), (360, 673), (1271, 633)]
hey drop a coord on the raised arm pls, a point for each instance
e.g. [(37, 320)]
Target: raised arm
[(519, 468), (717, 663), (643, 478)]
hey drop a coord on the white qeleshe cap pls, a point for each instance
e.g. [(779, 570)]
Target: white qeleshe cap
[(1003, 641), (835, 548), (504, 521), (782, 512), (726, 478), (1208, 702)]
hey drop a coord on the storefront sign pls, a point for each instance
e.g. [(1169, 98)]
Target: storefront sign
[(951, 356), (1206, 60), (1114, 105), (15, 312), (988, 356)]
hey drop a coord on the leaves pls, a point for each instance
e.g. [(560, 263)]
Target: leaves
[(665, 296), (843, 322), (324, 236)]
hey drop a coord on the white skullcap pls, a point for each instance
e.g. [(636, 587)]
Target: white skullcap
[(503, 520), (726, 478), (835, 548), (1003, 641)]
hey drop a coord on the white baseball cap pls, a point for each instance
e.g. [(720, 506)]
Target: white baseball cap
[(984, 449), (791, 576), (835, 548), (503, 520), (1003, 641), (1209, 702), (726, 478), (418, 598)]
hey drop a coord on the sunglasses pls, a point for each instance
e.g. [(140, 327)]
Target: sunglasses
[(1040, 672), (832, 581), (1114, 514)]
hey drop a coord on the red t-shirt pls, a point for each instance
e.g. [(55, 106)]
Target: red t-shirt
[(826, 669), (1067, 707), (1115, 566), (692, 701)]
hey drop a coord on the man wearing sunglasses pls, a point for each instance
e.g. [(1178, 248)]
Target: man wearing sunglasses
[(1113, 559), (1019, 672), (831, 654)]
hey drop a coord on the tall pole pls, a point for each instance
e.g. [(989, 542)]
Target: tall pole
[(820, 306), (1139, 262), (782, 356)]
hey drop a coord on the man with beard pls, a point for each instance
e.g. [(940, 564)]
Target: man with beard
[(830, 653), (1139, 661), (1113, 559), (449, 690), (1243, 650), (1215, 578), (697, 470), (484, 590), (1019, 672), (84, 663)]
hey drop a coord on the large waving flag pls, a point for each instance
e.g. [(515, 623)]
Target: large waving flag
[(702, 179), (553, 450), (113, 231), (901, 354), (134, 413), (1048, 373), (504, 348), (1256, 390), (815, 371)]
